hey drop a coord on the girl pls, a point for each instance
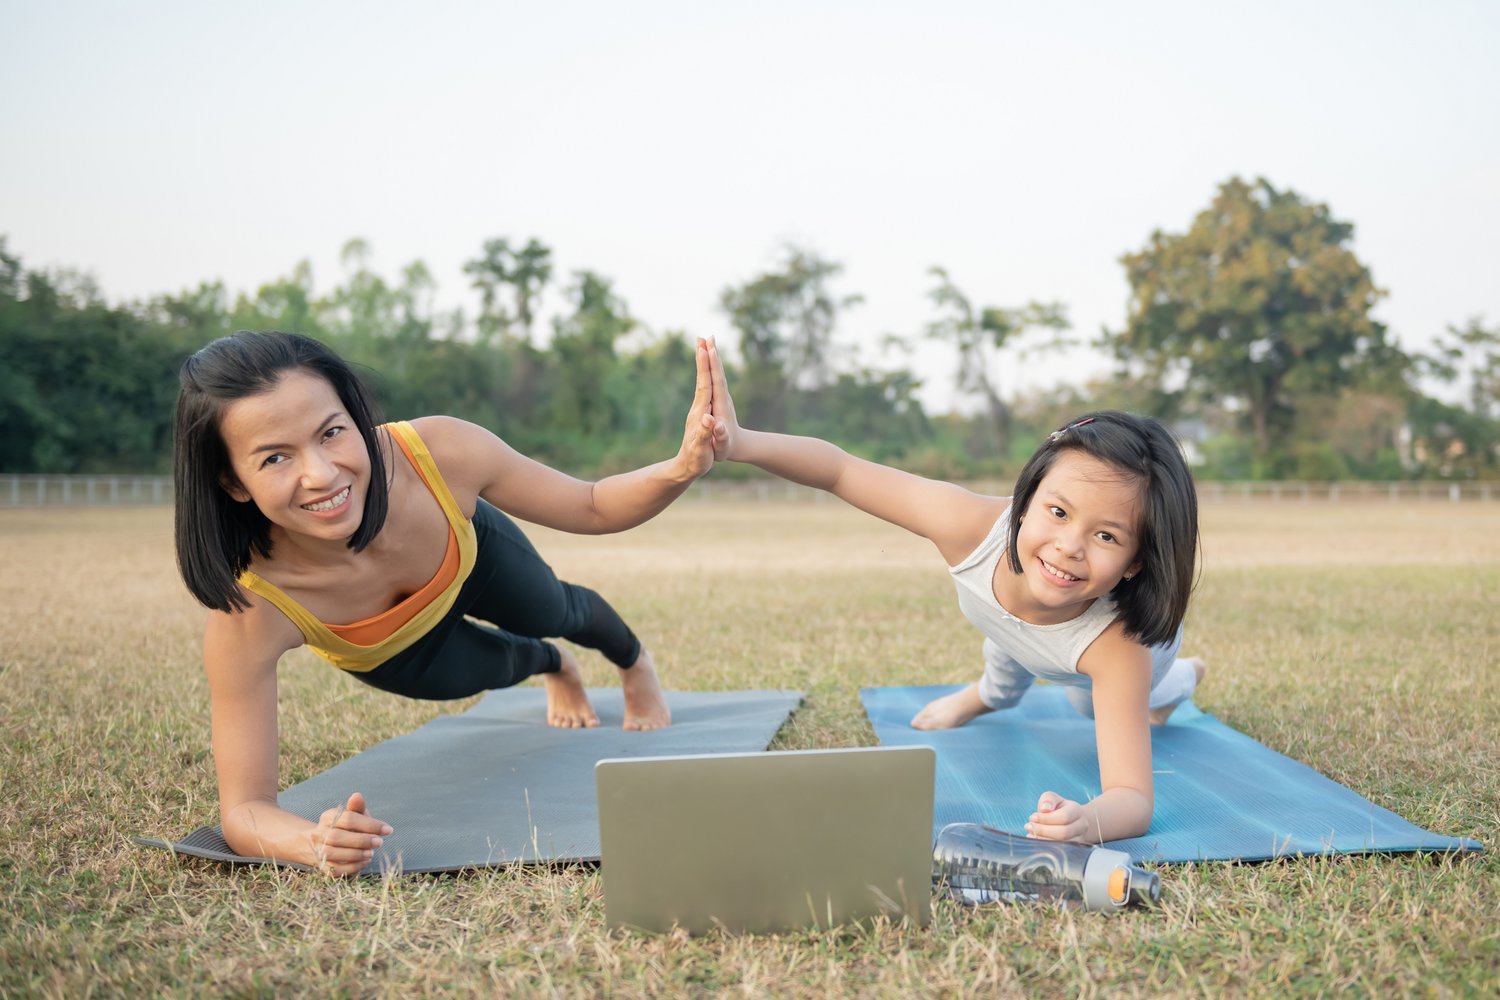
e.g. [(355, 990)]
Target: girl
[(295, 510), (1081, 578)]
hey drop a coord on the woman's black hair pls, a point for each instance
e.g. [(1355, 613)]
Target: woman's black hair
[(217, 534), (1153, 602)]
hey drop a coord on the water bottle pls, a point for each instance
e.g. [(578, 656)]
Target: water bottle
[(979, 864)]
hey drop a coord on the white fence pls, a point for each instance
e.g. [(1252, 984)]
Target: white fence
[(85, 491)]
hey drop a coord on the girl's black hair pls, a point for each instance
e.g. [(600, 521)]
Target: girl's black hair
[(215, 533), (1153, 602)]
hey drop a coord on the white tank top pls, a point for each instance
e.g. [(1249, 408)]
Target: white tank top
[(1050, 652)]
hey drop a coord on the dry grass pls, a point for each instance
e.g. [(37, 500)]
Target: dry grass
[(1361, 639)]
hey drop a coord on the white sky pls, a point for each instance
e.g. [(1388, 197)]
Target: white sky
[(673, 147)]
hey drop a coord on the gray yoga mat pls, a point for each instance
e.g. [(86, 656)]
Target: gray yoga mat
[(496, 785), (1220, 795)]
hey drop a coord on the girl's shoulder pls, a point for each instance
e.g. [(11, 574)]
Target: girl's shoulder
[(1113, 649)]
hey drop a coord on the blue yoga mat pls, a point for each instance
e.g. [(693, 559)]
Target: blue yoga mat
[(1219, 794)]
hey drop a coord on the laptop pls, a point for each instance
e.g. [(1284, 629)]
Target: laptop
[(770, 841)]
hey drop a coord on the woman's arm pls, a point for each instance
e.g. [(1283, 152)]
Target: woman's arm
[(239, 654), (953, 518), (477, 463), (1120, 670)]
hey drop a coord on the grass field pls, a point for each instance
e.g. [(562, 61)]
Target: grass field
[(1362, 639)]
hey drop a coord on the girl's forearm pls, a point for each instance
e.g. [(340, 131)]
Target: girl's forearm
[(1116, 814)]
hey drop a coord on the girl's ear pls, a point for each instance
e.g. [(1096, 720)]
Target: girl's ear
[(1132, 570)]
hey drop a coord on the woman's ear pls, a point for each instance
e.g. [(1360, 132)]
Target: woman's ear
[(232, 486)]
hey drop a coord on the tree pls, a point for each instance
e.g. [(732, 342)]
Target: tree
[(583, 346), (286, 304), (785, 319), (1461, 440), (490, 272), (525, 271), (531, 268), (978, 335), (1260, 304), (1469, 355)]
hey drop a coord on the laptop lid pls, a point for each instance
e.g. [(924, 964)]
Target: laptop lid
[(766, 841)]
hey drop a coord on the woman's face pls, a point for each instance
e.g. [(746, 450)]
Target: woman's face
[(295, 452)]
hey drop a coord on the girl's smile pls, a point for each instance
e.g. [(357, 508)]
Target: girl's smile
[(1077, 539), (296, 454)]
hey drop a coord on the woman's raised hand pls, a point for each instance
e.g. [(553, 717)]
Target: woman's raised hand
[(345, 838)]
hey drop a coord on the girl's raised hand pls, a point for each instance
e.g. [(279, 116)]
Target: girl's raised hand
[(697, 454), (1057, 818), (726, 424), (345, 838)]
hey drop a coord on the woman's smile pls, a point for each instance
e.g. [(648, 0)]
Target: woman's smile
[(337, 500)]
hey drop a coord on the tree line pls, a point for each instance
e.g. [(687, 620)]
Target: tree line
[(1251, 332)]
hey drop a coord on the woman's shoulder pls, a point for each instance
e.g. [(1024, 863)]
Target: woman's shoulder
[(258, 633), (464, 454), (449, 437)]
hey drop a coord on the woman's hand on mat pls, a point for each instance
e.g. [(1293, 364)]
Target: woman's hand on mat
[(345, 838), (1057, 818)]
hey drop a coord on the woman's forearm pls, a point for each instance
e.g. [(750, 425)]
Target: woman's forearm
[(262, 829)]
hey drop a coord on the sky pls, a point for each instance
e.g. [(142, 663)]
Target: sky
[(677, 148)]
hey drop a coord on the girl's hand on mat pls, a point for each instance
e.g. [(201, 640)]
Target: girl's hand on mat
[(345, 838), (1057, 818)]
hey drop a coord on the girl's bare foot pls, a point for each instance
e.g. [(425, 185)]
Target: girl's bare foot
[(951, 710), (567, 703), (1160, 715), (645, 705)]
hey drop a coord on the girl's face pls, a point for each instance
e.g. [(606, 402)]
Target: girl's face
[(1078, 537), (294, 451)]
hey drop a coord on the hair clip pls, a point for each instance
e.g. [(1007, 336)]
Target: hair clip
[(1055, 435)]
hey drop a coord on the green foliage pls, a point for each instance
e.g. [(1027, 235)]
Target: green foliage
[(1250, 334), (89, 388), (1261, 302), (785, 319), (977, 334), (81, 385)]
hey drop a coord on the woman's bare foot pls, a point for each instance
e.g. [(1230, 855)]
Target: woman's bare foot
[(951, 710), (567, 703), (1160, 715), (645, 705)]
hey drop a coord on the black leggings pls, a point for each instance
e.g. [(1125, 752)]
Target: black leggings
[(520, 601)]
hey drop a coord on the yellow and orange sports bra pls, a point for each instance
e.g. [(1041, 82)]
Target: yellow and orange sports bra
[(364, 645)]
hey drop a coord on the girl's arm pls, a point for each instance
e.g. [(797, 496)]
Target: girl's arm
[(239, 654), (951, 517), (1121, 673), (477, 463)]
